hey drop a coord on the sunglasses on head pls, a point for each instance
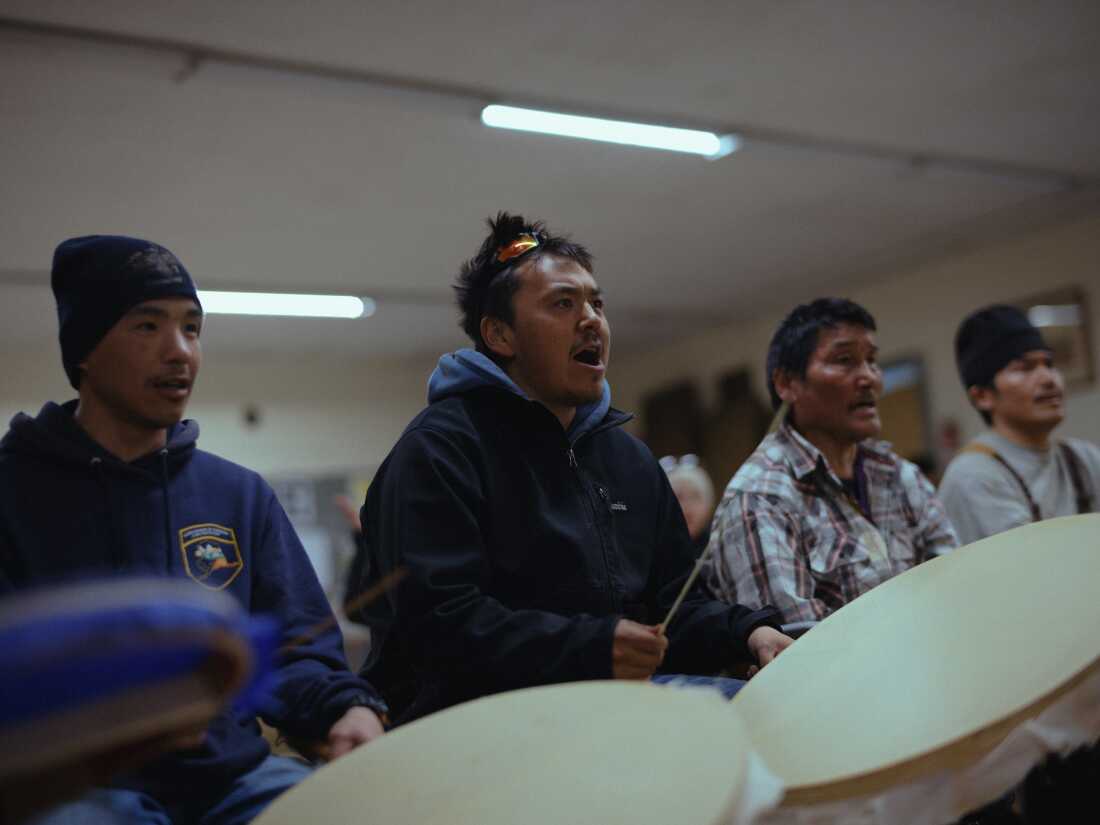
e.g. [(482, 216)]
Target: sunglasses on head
[(507, 254), (517, 248)]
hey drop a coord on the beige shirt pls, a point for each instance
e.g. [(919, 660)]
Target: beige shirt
[(982, 498)]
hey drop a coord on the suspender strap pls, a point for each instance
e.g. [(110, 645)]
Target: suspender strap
[(1081, 489), (985, 449), (1077, 475)]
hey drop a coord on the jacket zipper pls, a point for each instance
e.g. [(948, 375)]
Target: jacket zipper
[(612, 596)]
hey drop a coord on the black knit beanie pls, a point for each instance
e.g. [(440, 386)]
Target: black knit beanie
[(991, 337), (98, 278)]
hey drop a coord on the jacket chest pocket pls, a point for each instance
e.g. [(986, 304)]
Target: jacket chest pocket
[(630, 536)]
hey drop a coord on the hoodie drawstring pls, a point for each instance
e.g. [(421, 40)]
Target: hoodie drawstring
[(167, 510)]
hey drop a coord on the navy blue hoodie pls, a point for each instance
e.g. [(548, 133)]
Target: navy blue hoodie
[(69, 509), (524, 543)]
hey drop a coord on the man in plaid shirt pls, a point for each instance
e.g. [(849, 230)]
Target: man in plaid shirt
[(821, 512)]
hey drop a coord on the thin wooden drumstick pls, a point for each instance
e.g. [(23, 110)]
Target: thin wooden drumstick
[(776, 423), (777, 419), (684, 590), (384, 586)]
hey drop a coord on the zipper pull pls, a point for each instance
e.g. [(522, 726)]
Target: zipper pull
[(572, 459), (602, 491)]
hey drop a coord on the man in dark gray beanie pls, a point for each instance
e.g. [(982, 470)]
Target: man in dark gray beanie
[(113, 484), (97, 278), (1015, 472)]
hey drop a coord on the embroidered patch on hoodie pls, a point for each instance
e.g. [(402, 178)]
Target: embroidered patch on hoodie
[(211, 555)]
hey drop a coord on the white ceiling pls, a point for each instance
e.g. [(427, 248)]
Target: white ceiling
[(336, 145)]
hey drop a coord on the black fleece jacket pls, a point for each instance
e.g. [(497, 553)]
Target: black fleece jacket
[(522, 551)]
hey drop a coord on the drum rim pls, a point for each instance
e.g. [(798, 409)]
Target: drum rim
[(957, 754), (280, 810), (954, 751)]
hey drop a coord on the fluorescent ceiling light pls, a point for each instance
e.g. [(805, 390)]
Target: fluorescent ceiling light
[(707, 144), (282, 303)]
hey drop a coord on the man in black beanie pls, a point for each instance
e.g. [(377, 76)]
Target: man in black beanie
[(112, 484), (1015, 472)]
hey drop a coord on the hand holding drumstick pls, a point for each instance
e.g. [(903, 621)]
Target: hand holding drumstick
[(637, 650), (764, 643)]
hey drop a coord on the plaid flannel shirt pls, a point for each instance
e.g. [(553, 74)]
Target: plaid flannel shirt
[(788, 534)]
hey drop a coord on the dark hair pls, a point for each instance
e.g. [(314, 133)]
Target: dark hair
[(485, 286), (795, 340)]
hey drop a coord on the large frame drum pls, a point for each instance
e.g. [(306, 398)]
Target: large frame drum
[(601, 752), (933, 675)]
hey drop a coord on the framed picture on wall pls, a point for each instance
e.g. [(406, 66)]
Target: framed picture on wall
[(1063, 318), (904, 408)]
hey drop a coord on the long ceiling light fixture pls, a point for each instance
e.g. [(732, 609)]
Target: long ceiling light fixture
[(669, 138), (286, 304), (195, 56)]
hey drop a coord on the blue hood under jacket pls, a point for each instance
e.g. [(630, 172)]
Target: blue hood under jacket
[(522, 546), (71, 510), (468, 369)]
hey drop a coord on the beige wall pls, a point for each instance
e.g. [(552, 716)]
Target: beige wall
[(318, 416), (917, 313), (322, 416)]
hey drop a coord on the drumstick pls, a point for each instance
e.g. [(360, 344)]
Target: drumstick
[(684, 590), (777, 419), (776, 423), (384, 585)]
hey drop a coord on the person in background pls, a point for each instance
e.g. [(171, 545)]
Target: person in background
[(112, 484), (695, 492), (822, 512), (541, 542), (1015, 472)]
